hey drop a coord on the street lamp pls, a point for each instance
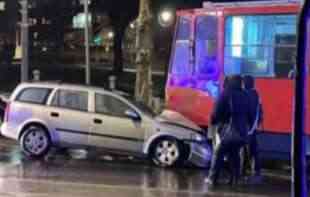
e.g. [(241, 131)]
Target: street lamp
[(86, 38), (2, 6), (110, 35), (132, 25), (24, 40), (166, 17)]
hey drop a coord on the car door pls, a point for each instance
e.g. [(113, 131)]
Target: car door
[(69, 116), (112, 128)]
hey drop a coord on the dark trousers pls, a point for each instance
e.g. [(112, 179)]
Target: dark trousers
[(230, 148), (252, 158)]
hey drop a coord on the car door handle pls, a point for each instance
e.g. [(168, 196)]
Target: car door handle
[(55, 114), (97, 121)]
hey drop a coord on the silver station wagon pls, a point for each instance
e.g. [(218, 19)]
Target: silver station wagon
[(41, 115)]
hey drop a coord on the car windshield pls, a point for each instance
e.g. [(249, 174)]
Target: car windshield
[(142, 107)]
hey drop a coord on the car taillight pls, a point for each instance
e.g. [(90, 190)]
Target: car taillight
[(6, 113)]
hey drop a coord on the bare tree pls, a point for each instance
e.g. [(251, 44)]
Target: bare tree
[(145, 47)]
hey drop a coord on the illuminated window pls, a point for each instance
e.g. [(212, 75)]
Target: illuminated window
[(261, 45), (180, 62), (206, 45), (237, 36), (79, 21)]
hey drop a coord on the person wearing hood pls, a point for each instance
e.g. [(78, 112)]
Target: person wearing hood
[(231, 109), (256, 110)]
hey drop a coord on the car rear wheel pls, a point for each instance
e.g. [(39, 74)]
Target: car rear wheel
[(35, 141), (167, 152)]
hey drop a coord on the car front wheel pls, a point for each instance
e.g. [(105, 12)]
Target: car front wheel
[(167, 152), (35, 141)]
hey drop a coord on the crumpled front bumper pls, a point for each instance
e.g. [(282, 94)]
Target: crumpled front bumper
[(200, 154)]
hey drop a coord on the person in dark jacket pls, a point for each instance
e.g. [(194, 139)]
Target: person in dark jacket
[(256, 110), (232, 108), (213, 129)]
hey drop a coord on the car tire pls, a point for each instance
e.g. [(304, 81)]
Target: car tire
[(35, 141), (167, 152)]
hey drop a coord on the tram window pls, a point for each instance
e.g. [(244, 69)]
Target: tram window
[(183, 32), (261, 45), (206, 45), (285, 54), (180, 62)]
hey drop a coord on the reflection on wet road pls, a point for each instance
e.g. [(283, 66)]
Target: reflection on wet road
[(64, 176)]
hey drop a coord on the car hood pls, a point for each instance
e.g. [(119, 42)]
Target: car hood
[(177, 119)]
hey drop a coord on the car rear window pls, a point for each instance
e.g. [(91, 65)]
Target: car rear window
[(34, 95)]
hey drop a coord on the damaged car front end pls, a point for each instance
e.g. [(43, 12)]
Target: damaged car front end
[(198, 150)]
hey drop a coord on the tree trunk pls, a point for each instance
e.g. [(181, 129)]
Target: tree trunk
[(144, 43)]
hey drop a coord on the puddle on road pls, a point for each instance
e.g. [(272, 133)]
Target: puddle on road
[(12, 157), (78, 154)]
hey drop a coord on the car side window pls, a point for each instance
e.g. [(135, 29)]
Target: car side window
[(34, 95), (110, 105), (71, 99)]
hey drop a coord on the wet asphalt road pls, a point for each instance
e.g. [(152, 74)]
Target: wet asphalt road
[(61, 175)]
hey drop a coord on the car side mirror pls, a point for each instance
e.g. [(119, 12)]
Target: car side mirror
[(133, 115)]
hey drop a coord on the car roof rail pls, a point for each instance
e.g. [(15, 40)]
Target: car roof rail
[(43, 81), (49, 81), (61, 83)]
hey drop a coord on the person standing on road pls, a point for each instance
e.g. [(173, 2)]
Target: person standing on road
[(213, 130), (231, 110), (256, 110)]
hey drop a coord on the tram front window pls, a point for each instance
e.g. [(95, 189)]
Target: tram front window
[(206, 59), (180, 60)]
